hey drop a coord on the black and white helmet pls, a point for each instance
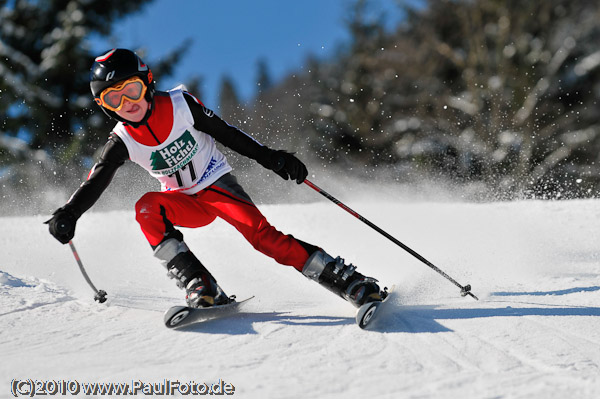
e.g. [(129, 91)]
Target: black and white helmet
[(115, 66)]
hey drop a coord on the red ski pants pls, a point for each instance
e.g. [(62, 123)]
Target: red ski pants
[(204, 207)]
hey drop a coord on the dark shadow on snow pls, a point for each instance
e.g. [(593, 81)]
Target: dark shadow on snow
[(392, 319), (544, 293), (242, 323), (420, 319)]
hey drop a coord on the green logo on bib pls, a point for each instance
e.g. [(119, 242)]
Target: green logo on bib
[(175, 155)]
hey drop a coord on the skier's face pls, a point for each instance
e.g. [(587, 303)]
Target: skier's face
[(133, 112)]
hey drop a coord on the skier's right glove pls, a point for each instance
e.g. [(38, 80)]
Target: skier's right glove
[(62, 224)]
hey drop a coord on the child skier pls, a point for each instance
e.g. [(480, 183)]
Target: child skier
[(171, 135)]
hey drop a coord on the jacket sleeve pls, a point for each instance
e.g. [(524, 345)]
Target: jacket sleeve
[(114, 154), (230, 136)]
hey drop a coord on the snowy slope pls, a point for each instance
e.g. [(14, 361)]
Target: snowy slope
[(534, 334)]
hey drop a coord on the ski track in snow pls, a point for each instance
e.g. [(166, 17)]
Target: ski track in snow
[(533, 334)]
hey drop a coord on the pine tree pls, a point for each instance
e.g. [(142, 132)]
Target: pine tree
[(263, 80), (47, 114), (44, 70), (229, 102)]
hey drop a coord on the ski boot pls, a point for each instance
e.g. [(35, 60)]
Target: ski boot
[(190, 274), (342, 279)]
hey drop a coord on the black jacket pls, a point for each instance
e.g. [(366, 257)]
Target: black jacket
[(114, 153)]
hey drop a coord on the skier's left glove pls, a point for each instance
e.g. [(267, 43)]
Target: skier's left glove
[(62, 224), (287, 166)]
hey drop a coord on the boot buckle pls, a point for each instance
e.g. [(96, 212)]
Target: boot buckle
[(348, 271), (338, 265)]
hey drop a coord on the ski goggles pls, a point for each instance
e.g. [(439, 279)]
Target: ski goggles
[(113, 98)]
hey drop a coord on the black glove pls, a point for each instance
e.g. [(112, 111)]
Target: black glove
[(287, 166), (62, 224)]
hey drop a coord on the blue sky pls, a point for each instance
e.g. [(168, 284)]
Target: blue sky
[(230, 36)]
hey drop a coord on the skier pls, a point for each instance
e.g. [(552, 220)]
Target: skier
[(172, 135)]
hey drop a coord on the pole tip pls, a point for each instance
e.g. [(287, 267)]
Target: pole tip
[(466, 290), (100, 296)]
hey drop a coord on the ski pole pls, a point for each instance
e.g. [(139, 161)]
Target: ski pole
[(464, 290), (100, 294)]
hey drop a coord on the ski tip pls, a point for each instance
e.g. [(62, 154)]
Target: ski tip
[(181, 316), (366, 312), (175, 315)]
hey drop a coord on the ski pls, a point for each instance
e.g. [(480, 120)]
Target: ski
[(181, 316), (367, 312)]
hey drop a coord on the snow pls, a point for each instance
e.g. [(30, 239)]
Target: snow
[(534, 333)]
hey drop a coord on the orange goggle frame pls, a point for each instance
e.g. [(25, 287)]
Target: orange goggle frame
[(113, 98)]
